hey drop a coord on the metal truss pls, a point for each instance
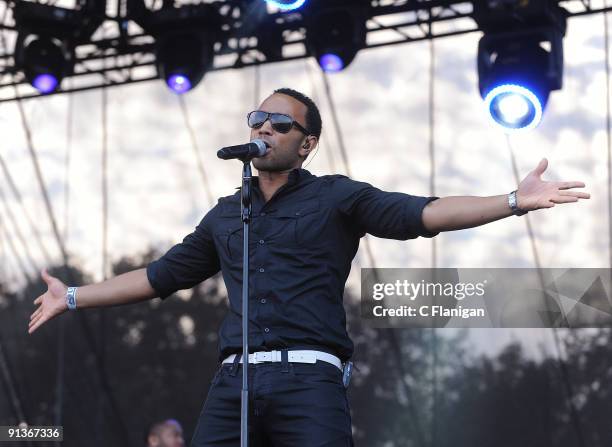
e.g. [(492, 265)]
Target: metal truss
[(246, 33)]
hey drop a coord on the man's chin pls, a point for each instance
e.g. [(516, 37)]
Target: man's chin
[(262, 164)]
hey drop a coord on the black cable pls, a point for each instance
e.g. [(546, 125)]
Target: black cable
[(315, 97), (18, 233), (196, 151), (432, 192), (17, 194), (8, 380), (389, 333), (102, 315), (67, 160), (17, 256), (567, 383), (257, 90), (608, 131)]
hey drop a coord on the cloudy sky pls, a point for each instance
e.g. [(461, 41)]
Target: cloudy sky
[(156, 193)]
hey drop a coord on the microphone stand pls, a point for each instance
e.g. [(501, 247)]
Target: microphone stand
[(245, 153), (245, 211)]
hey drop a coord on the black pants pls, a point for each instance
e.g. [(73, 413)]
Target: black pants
[(290, 405)]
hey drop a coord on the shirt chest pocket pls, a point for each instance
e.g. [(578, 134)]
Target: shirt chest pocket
[(296, 226), (228, 233)]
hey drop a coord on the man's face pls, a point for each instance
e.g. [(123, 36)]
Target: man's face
[(285, 152), (169, 435)]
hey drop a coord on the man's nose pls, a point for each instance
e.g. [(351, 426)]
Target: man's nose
[(266, 128)]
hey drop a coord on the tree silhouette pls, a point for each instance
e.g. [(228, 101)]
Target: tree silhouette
[(124, 367)]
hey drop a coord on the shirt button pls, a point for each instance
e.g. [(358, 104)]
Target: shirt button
[(261, 241), (266, 329), (261, 270), (262, 301)]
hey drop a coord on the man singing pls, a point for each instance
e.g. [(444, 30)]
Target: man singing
[(305, 232)]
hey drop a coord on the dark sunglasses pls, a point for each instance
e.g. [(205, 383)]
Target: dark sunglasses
[(280, 122)]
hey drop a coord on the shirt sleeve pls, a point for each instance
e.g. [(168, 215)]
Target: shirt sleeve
[(390, 215), (187, 263)]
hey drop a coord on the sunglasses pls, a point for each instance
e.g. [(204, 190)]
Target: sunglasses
[(280, 122)]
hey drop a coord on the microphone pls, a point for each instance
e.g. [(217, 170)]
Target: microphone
[(256, 148)]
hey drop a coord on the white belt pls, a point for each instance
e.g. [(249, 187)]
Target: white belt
[(301, 356)]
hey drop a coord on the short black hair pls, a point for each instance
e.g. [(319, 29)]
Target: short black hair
[(313, 117)]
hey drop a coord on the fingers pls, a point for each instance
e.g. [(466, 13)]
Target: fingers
[(568, 185), (36, 313), (564, 199), (38, 300), (541, 167), (45, 276), (36, 323), (579, 195)]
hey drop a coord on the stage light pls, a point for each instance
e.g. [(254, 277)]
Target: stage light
[(514, 107), (286, 5), (335, 33), (46, 39), (45, 83), (184, 41), (179, 84), (520, 60), (44, 61), (331, 63), (514, 81), (183, 59)]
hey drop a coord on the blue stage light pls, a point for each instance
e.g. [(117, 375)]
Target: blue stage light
[(286, 5), (179, 83), (45, 83), (44, 61), (331, 63), (182, 58), (513, 107)]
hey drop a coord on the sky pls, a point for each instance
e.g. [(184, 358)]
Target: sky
[(156, 193)]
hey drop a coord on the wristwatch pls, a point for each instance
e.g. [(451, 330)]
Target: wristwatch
[(71, 298), (513, 205)]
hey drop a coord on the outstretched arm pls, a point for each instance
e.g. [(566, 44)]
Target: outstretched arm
[(130, 287), (456, 213)]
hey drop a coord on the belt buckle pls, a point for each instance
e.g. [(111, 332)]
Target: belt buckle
[(256, 358)]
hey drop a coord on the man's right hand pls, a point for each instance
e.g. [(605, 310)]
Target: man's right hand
[(50, 304)]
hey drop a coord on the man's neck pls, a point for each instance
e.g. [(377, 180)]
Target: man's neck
[(271, 181)]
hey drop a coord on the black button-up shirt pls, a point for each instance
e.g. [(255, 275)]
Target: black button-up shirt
[(301, 246)]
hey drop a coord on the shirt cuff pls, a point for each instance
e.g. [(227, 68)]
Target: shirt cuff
[(154, 275), (423, 231)]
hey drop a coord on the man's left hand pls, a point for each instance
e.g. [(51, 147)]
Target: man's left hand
[(533, 193)]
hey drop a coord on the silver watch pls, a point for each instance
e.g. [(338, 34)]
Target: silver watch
[(513, 205), (71, 298)]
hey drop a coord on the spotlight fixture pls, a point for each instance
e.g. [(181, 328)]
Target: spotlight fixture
[(286, 5), (183, 59), (184, 42), (514, 107), (520, 60), (336, 32), (47, 37), (45, 61)]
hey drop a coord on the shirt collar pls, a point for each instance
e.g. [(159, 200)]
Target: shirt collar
[(298, 174), (295, 176)]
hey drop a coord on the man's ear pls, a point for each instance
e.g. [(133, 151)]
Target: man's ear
[(310, 143)]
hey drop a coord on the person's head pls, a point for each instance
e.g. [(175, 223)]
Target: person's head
[(287, 150), (167, 433)]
